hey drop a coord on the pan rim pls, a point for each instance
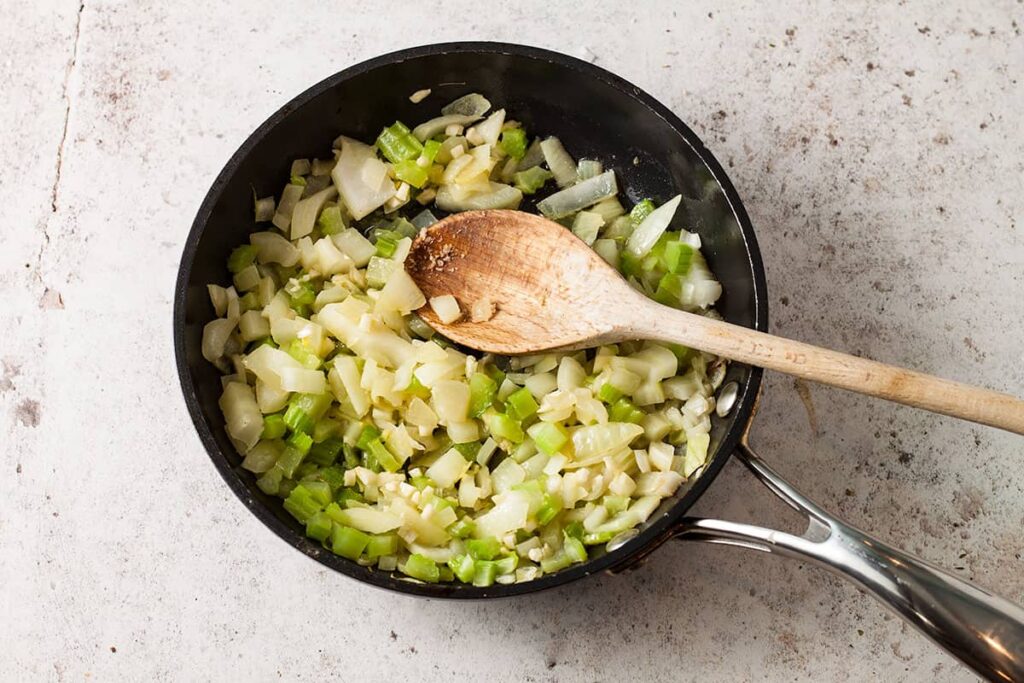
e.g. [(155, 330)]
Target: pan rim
[(654, 533)]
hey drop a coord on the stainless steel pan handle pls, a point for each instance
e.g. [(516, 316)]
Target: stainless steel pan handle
[(980, 629)]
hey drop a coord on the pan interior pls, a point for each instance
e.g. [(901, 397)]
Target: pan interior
[(597, 116)]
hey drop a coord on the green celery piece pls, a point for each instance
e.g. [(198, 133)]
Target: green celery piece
[(422, 568), (333, 476), (330, 221), (314, 405), (574, 550), (549, 437), (417, 389), (397, 144), (608, 393), (368, 434), (630, 265), (305, 471), (531, 180), (270, 481), (420, 482), (484, 573), (382, 544), (559, 560), (495, 373), (670, 289), (319, 490), (507, 564), (683, 353), (411, 172), (325, 429), (573, 530), (300, 441), (326, 452), (300, 292), (468, 449), (249, 302), (482, 390), (503, 426), (430, 150), (290, 459), (301, 504), (318, 526), (521, 404), (462, 528), (463, 567), (274, 426), (598, 538), (378, 270), (549, 509), (287, 485), (483, 548), (513, 141), (297, 180), (383, 456), (298, 350), (677, 257), (641, 211), (348, 542), (298, 420), (351, 456), (625, 410), (346, 494), (241, 258), (386, 245)]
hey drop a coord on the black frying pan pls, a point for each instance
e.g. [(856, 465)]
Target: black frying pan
[(597, 115)]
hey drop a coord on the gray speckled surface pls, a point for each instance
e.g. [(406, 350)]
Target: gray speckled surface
[(879, 152)]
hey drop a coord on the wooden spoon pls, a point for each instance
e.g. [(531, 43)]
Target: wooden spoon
[(553, 292)]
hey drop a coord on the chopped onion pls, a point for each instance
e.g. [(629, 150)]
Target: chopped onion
[(473, 104), (306, 212), (446, 307), (419, 95), (651, 228), (497, 196), (579, 196), (356, 163), (490, 128), (265, 209), (448, 469), (242, 416), (559, 161), (598, 441), (215, 337), (429, 129), (355, 246), (273, 248)]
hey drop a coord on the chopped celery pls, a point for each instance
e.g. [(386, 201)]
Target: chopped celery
[(382, 544), (274, 426), (411, 172), (348, 542), (318, 526), (463, 567), (557, 561), (383, 456), (300, 292), (468, 450), (573, 530), (641, 211), (549, 509), (330, 221), (625, 410), (548, 436), (482, 391), (531, 180), (484, 573), (521, 404), (574, 549), (386, 245), (670, 289), (298, 350), (397, 144), (326, 452), (422, 568), (368, 434), (513, 141), (430, 150), (503, 426), (483, 548), (462, 528), (608, 394), (599, 537), (301, 504), (301, 441), (298, 420), (615, 504), (507, 564), (241, 258), (677, 257), (333, 476), (314, 405)]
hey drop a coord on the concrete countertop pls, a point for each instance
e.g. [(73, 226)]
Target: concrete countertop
[(879, 152)]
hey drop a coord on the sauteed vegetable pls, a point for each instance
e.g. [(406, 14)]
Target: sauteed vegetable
[(397, 449)]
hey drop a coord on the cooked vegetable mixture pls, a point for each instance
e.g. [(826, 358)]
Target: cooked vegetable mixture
[(397, 449)]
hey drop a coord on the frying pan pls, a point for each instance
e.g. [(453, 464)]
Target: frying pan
[(597, 115)]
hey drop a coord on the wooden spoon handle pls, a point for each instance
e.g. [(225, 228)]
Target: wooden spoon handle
[(828, 367)]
